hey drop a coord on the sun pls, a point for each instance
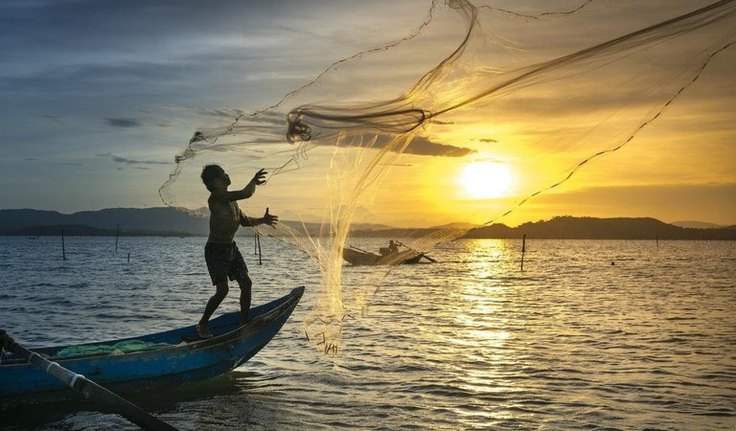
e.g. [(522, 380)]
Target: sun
[(484, 180)]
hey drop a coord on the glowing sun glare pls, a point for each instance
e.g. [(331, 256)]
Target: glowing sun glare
[(483, 180)]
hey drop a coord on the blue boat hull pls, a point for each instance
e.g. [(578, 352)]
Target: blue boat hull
[(186, 359)]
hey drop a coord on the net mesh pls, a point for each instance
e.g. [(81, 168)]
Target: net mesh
[(475, 81)]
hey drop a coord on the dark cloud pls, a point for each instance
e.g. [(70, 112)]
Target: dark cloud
[(488, 140), (124, 123), (420, 146), (54, 118), (424, 147), (139, 164)]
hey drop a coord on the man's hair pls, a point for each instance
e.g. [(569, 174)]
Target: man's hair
[(209, 173)]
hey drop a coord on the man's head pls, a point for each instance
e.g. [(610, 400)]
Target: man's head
[(212, 174)]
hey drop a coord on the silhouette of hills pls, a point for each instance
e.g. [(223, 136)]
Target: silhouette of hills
[(161, 221), (567, 227), (132, 221), (696, 224), (170, 222)]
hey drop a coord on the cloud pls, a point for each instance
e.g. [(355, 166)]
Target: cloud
[(264, 118), (138, 164), (55, 118), (220, 113), (124, 123), (165, 123), (420, 145)]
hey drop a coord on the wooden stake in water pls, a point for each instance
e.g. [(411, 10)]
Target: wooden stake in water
[(117, 235), (260, 255), (63, 249), (523, 250)]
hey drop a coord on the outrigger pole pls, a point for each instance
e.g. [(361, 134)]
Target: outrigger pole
[(88, 388)]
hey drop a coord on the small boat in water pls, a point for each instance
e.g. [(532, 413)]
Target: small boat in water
[(361, 257), (174, 357)]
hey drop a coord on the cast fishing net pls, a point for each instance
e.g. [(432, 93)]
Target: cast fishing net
[(473, 81)]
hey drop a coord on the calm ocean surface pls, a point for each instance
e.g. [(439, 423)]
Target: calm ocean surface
[(470, 342)]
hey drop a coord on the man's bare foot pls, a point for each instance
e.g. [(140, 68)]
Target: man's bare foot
[(203, 331)]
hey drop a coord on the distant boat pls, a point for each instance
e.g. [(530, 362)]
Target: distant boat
[(356, 256), (179, 357)]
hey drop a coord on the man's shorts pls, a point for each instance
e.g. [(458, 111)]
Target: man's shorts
[(224, 261)]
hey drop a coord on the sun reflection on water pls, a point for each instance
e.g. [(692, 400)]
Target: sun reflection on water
[(481, 322)]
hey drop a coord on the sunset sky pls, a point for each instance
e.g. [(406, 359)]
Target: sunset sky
[(99, 96)]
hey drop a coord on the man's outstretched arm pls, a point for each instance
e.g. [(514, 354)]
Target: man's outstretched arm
[(258, 179), (267, 218)]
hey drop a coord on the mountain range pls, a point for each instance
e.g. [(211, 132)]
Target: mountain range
[(567, 227), (162, 221), (171, 222)]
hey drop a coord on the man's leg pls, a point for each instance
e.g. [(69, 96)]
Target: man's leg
[(245, 284), (212, 305)]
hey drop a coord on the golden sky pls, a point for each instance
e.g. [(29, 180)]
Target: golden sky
[(98, 117)]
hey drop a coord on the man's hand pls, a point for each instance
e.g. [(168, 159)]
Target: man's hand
[(260, 177), (270, 219)]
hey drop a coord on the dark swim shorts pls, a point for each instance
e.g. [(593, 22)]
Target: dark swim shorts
[(224, 261)]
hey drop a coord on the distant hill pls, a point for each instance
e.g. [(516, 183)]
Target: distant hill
[(161, 221), (138, 221), (456, 225), (567, 227), (696, 224), (169, 221), (67, 229)]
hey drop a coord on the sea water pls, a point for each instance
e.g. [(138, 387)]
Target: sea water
[(591, 335)]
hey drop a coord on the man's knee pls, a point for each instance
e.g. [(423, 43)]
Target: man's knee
[(222, 289), (245, 282)]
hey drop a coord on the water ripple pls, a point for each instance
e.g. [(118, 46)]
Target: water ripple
[(468, 343)]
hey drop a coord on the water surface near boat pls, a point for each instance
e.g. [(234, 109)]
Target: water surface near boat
[(470, 342)]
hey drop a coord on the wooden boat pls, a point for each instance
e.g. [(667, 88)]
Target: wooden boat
[(183, 358), (360, 257)]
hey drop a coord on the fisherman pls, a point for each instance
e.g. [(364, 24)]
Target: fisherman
[(221, 253)]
